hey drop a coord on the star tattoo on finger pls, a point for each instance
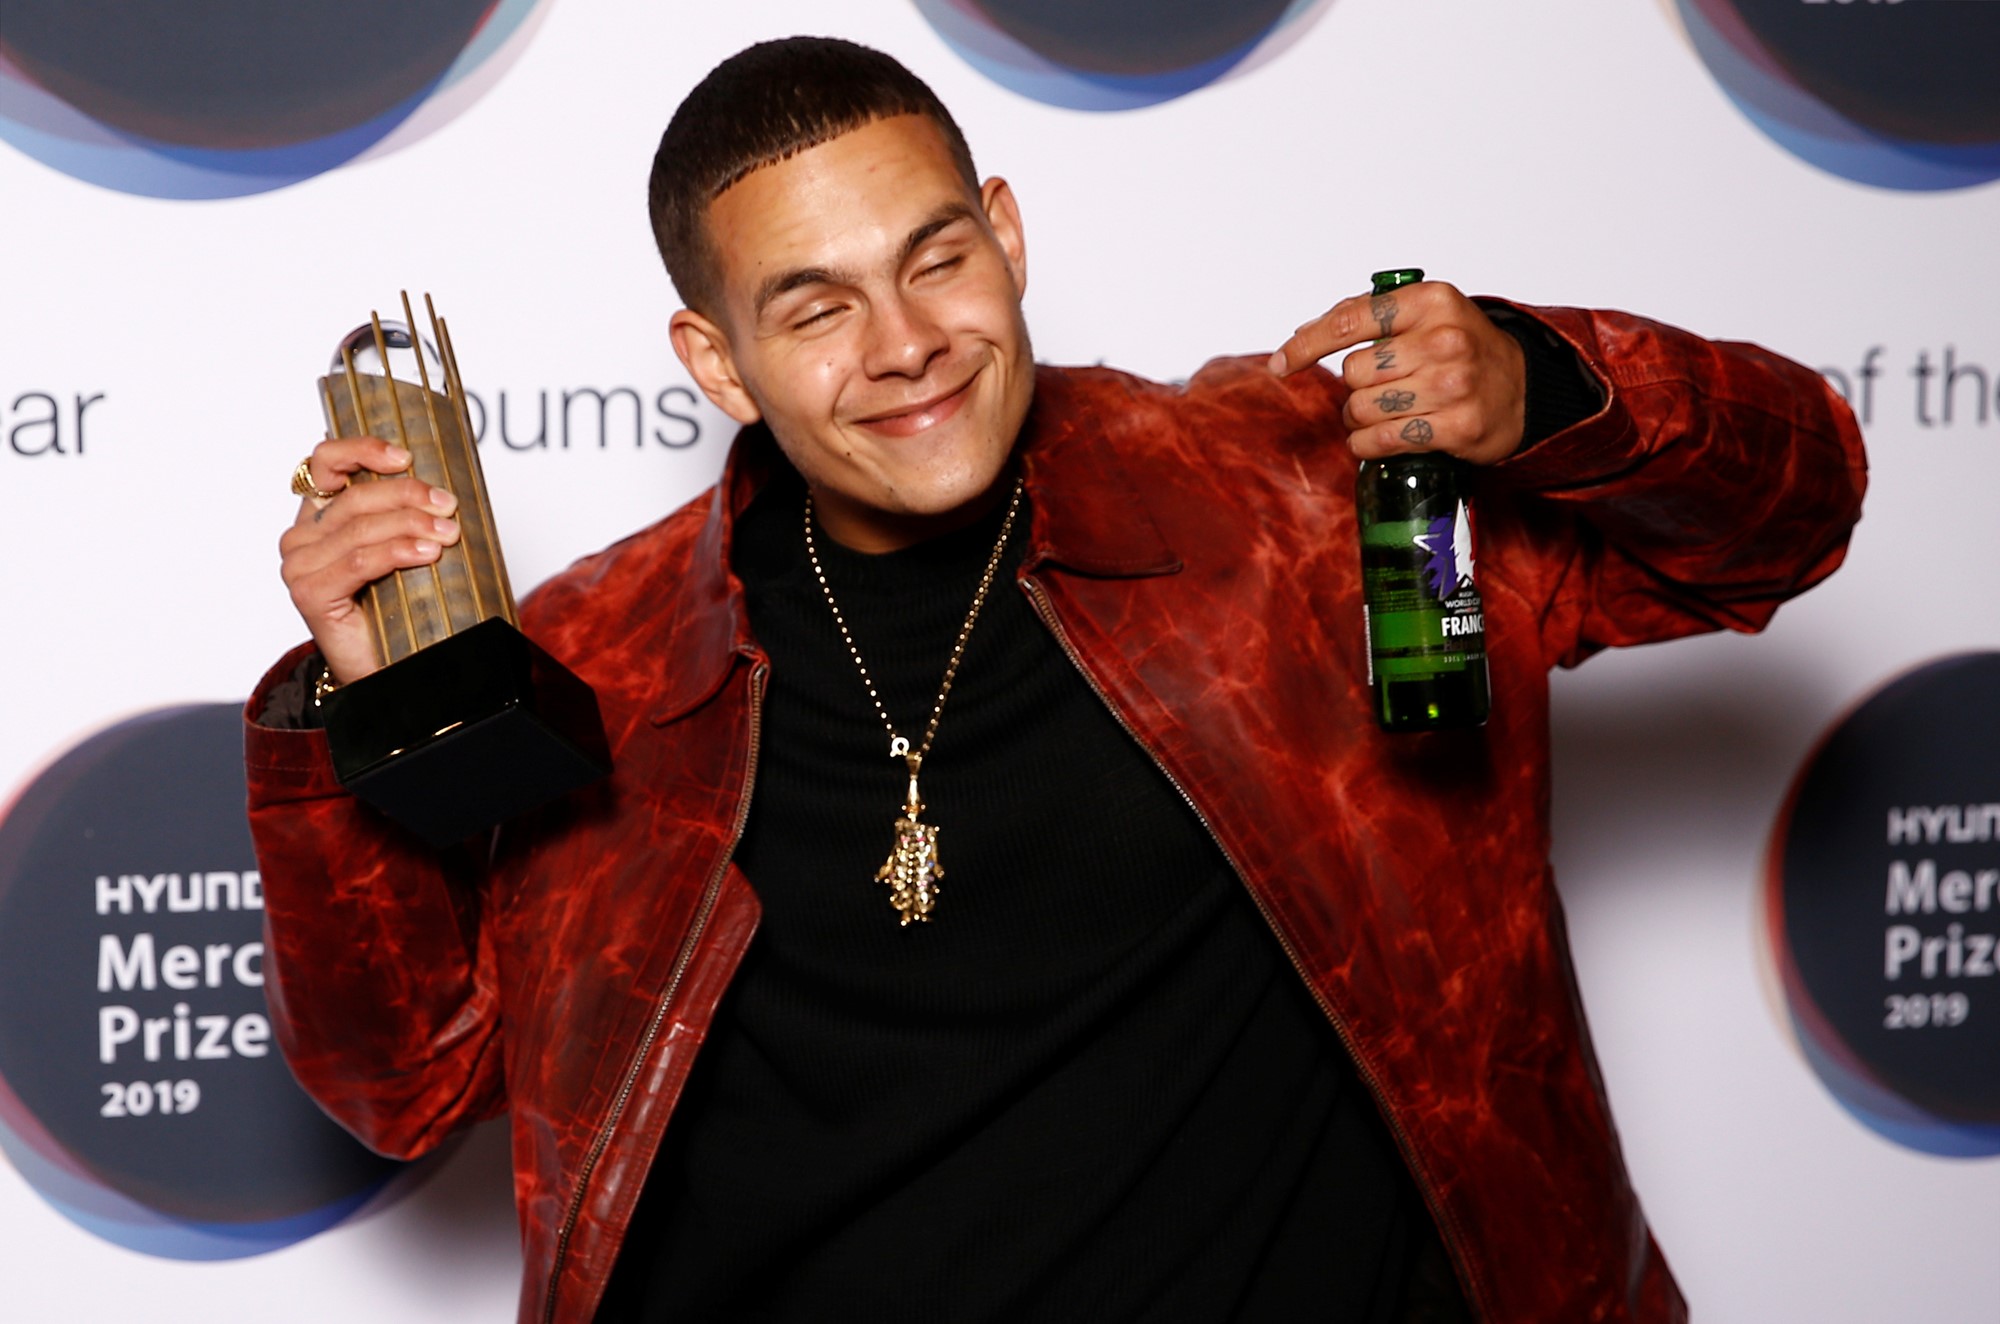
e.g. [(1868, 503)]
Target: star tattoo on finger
[(1418, 432), (1396, 402)]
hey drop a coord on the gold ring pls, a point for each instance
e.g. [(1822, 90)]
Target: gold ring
[(303, 485)]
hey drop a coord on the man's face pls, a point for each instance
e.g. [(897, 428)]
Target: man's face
[(871, 315)]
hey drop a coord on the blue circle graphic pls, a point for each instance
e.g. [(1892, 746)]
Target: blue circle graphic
[(1882, 908), (235, 97), (141, 1093), (1103, 55), (1895, 95)]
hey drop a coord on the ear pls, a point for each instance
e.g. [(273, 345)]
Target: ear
[(704, 351), (1003, 213)]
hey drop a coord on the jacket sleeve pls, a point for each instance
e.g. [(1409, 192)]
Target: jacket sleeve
[(1718, 480), (377, 968)]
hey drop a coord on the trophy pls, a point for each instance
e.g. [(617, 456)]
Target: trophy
[(467, 722)]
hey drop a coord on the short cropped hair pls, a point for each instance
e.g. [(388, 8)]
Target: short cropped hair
[(761, 106)]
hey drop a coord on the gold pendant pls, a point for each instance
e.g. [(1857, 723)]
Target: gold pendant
[(912, 870)]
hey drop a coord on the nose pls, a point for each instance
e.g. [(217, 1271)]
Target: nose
[(903, 338)]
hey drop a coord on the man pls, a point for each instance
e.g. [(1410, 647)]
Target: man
[(1225, 1004)]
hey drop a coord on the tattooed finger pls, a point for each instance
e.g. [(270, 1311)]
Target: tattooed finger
[(1396, 402), (1382, 307), (1418, 432)]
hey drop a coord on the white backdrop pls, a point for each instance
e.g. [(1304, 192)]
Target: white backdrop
[(1569, 151)]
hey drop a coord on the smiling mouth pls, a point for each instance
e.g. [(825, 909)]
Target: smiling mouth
[(917, 418)]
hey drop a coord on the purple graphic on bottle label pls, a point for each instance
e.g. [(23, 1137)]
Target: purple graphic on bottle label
[(1448, 541), (1441, 570)]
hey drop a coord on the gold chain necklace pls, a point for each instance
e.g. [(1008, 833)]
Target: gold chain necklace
[(912, 870)]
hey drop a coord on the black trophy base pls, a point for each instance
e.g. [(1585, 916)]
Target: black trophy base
[(453, 739)]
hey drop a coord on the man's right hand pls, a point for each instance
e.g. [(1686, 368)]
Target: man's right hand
[(369, 527)]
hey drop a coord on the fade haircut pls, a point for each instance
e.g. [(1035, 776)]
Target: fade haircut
[(761, 106)]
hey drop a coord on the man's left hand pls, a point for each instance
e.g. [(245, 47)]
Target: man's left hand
[(1438, 377)]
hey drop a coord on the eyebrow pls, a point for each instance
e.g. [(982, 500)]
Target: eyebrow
[(784, 282)]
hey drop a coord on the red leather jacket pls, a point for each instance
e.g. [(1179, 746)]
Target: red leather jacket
[(1193, 549)]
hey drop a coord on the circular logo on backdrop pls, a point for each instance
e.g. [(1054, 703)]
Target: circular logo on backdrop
[(1899, 95), (1882, 905), (234, 97), (140, 1092), (1110, 55)]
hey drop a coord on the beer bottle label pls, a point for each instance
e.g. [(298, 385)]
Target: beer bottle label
[(1423, 610)]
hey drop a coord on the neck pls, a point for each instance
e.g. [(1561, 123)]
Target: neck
[(864, 529)]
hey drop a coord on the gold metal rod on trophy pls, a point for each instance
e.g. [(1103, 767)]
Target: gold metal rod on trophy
[(403, 437), (478, 474), (361, 420), (455, 391), (437, 431), (374, 603)]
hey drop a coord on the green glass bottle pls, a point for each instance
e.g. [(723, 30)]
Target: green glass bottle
[(1426, 627)]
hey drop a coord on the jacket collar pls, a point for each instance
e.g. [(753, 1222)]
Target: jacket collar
[(1085, 514)]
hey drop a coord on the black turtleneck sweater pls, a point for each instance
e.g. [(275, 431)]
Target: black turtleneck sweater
[(1092, 1088)]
